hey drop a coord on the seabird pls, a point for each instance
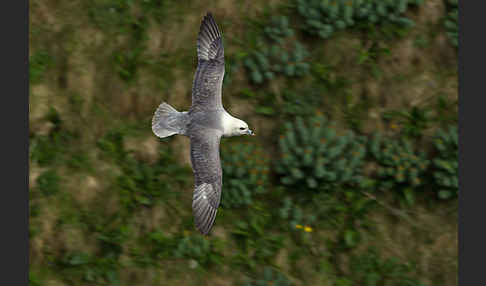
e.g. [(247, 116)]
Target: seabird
[(205, 123)]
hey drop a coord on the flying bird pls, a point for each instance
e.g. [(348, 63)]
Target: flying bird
[(205, 123)]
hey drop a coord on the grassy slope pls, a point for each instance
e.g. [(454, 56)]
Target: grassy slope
[(95, 79)]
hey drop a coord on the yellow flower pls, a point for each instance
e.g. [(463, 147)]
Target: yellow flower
[(298, 226), (186, 232), (394, 126), (307, 228)]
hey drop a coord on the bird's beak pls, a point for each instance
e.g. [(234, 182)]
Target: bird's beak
[(251, 132)]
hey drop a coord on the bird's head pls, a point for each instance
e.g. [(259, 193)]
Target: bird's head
[(240, 127)]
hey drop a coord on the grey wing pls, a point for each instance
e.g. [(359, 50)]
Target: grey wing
[(207, 177), (208, 79)]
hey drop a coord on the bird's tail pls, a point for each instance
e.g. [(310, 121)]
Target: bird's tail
[(167, 121)]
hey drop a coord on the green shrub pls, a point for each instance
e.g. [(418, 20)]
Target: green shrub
[(446, 163), (205, 252), (302, 102), (451, 21), (160, 246), (270, 277), (324, 17), (127, 63), (245, 171), (39, 62), (58, 146), (91, 268), (314, 156), (370, 269), (256, 243), (400, 167), (294, 215), (48, 182), (34, 280), (268, 62), (278, 29), (141, 183)]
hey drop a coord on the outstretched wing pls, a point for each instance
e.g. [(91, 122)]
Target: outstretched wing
[(208, 80), (207, 177)]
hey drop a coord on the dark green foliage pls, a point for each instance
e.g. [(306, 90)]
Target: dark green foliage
[(39, 62), (278, 29), (48, 182), (142, 183), (245, 173), (257, 245), (302, 102), (369, 269), (323, 18), (109, 14), (157, 8), (204, 251), (58, 146), (160, 247), (451, 21), (34, 280), (91, 268), (446, 163), (270, 61), (293, 215), (270, 276), (314, 156), (127, 63), (400, 167), (414, 121)]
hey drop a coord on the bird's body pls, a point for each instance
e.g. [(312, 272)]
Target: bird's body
[(205, 123)]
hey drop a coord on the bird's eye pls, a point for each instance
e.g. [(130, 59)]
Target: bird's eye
[(242, 128)]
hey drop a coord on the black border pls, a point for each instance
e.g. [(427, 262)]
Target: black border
[(14, 120), (471, 121)]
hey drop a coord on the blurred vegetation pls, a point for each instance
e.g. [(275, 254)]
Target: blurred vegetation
[(352, 178), (446, 163), (451, 21), (245, 173)]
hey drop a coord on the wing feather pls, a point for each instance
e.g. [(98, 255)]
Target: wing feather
[(207, 177), (208, 79)]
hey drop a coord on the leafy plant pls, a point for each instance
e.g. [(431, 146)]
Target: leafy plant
[(370, 269), (109, 14), (400, 167), (451, 21), (268, 62), (54, 147), (294, 215), (160, 246), (34, 280), (323, 18), (127, 63), (48, 182), (141, 183), (314, 156), (270, 277), (203, 250), (278, 29), (446, 163), (414, 121), (257, 245), (245, 171), (302, 102), (102, 270), (39, 62)]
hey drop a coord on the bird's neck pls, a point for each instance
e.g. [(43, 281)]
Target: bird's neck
[(228, 123)]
